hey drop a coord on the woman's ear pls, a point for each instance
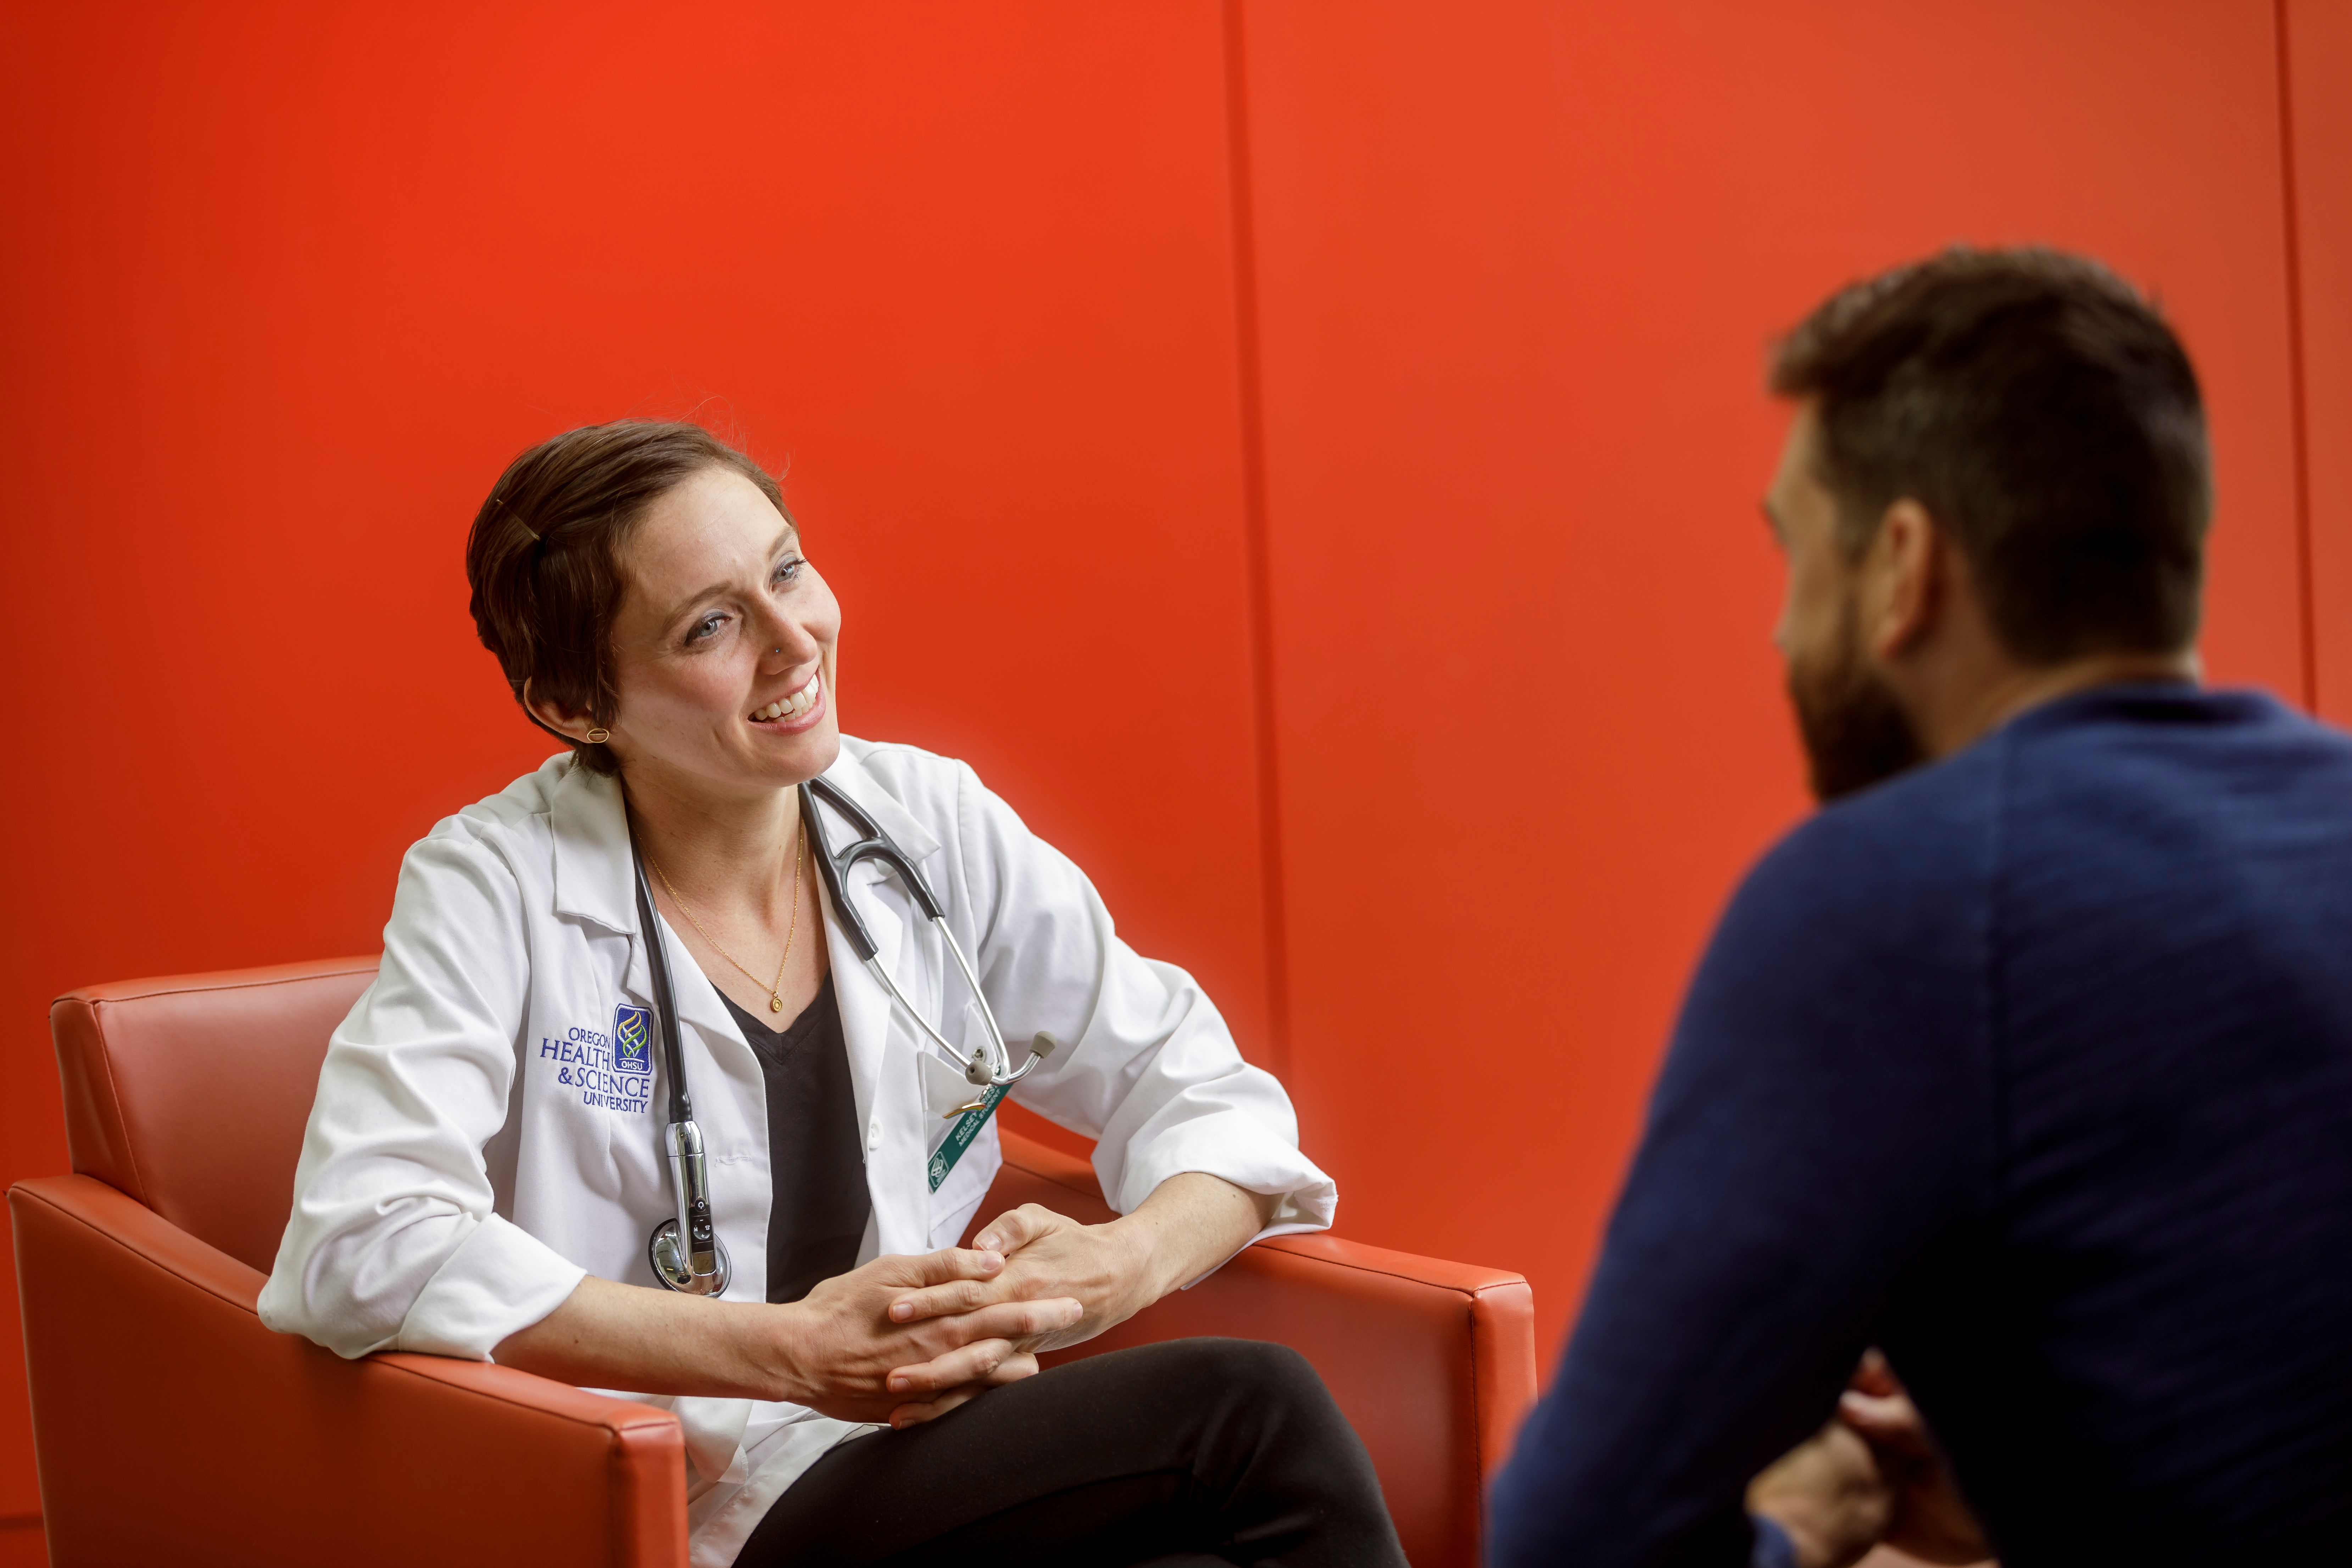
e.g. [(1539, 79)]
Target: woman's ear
[(570, 724)]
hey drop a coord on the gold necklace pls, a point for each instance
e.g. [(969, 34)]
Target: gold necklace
[(776, 986)]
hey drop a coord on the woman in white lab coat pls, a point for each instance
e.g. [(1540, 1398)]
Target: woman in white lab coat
[(483, 1164)]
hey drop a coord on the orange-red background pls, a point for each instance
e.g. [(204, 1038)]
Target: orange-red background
[(1305, 455)]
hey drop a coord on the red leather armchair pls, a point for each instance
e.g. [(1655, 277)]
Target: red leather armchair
[(170, 1425)]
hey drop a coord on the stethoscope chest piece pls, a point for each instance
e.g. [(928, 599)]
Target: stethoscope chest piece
[(671, 1267), (684, 1250)]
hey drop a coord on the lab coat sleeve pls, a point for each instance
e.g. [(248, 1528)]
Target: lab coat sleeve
[(1146, 1063), (393, 1243)]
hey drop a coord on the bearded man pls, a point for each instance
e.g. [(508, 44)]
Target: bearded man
[(2027, 1059)]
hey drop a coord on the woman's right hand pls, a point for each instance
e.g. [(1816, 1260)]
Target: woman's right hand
[(838, 1353)]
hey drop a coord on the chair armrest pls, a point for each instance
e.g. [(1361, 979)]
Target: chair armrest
[(164, 1412), (1434, 1362)]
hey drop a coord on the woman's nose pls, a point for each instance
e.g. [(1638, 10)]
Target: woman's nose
[(787, 643)]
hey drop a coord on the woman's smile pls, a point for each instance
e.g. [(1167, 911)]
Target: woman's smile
[(796, 711)]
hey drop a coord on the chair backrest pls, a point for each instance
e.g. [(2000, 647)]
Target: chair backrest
[(190, 1093)]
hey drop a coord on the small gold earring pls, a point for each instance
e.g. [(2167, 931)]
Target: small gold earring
[(599, 735)]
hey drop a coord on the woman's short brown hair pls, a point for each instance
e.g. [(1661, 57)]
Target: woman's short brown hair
[(544, 555)]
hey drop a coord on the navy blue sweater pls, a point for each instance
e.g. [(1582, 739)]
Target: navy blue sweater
[(2033, 1067)]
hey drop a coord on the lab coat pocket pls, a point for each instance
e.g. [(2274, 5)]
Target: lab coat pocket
[(945, 1090), (714, 1436), (959, 1197)]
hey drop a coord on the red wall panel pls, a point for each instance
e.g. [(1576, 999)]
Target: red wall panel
[(286, 286), (1517, 266), (2318, 35)]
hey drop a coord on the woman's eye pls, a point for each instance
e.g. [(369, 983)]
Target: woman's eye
[(789, 568), (705, 628)]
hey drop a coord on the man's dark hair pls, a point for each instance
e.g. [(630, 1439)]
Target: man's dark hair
[(2048, 420)]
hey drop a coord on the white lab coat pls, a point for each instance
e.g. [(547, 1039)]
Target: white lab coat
[(477, 1147)]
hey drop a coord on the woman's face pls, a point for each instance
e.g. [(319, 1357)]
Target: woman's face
[(723, 646)]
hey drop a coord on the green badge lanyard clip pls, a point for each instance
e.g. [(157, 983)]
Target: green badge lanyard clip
[(972, 1119), (960, 1135)]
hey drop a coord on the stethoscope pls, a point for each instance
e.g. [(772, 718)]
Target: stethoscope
[(702, 1268)]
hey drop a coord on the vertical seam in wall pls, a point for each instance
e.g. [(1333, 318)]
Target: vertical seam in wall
[(2298, 425), (1254, 529)]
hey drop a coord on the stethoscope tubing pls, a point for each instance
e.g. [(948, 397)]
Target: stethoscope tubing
[(991, 1066), (700, 1266), (696, 1261)]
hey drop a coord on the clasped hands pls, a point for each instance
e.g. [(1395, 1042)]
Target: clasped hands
[(907, 1339), (1871, 1476)]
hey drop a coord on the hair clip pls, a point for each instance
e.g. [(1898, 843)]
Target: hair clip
[(535, 539)]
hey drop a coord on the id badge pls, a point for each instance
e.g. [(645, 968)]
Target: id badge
[(960, 1137)]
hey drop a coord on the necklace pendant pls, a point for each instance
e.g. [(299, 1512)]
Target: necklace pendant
[(775, 1002)]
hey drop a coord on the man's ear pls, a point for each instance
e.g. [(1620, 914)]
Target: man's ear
[(1909, 561)]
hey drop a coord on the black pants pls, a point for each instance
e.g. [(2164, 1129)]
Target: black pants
[(1197, 1451)]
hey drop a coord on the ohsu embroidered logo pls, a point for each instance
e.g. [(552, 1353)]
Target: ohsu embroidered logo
[(632, 1038)]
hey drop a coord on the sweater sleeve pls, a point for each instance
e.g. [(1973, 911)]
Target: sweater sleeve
[(1818, 1129)]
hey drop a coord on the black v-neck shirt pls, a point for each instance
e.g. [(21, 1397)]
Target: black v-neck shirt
[(817, 1221)]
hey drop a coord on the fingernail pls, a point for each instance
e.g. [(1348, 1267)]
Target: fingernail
[(988, 1244), (902, 1310), (898, 1384)]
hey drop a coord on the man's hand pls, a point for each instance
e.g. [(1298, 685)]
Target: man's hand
[(1931, 1522), (847, 1354), (1827, 1493)]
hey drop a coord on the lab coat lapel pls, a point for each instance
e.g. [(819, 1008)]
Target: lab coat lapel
[(596, 880), (848, 774), (593, 868), (699, 1006)]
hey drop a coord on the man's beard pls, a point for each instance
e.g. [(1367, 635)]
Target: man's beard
[(1855, 732)]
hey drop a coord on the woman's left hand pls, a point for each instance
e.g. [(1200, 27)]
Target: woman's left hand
[(1190, 1225), (1108, 1268)]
